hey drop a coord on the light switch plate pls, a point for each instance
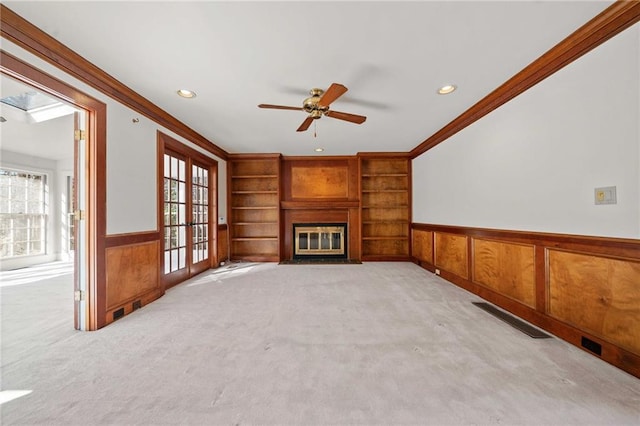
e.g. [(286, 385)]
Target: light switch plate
[(605, 195)]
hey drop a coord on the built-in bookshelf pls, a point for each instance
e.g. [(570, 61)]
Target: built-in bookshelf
[(254, 207), (385, 207)]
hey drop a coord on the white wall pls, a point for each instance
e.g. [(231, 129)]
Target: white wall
[(131, 158), (533, 163), (131, 171)]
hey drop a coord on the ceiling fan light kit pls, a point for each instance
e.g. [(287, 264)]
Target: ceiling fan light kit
[(317, 105)]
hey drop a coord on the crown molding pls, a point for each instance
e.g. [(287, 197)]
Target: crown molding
[(613, 20), (29, 37)]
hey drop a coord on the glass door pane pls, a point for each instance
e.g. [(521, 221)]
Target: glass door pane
[(200, 213), (175, 208)]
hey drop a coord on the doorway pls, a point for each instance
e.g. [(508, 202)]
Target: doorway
[(188, 210), (87, 166)]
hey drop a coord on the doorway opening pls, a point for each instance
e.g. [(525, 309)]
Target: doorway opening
[(51, 181), (38, 201)]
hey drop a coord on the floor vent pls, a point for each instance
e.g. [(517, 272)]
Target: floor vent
[(512, 321), (592, 346), (136, 305), (117, 314)]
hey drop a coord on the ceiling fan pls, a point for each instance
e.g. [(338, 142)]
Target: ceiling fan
[(317, 105)]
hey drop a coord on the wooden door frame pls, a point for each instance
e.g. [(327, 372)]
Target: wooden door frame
[(166, 142), (95, 172)]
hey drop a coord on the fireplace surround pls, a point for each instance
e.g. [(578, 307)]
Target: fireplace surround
[(320, 240)]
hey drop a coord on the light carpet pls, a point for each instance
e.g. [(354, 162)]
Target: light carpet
[(377, 343)]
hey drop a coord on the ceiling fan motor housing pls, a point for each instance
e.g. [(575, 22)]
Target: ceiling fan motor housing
[(311, 105)]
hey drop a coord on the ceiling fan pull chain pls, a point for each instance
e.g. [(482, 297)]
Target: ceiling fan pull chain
[(314, 129)]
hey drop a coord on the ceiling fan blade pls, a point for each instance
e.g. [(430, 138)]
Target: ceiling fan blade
[(279, 107), (333, 92), (353, 118), (305, 124)]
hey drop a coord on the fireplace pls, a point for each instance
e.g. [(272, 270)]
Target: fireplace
[(319, 240)]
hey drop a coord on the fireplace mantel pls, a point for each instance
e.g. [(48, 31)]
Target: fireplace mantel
[(319, 205)]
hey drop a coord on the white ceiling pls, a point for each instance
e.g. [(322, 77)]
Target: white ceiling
[(391, 55)]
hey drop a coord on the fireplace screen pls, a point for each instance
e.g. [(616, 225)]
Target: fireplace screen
[(319, 240)]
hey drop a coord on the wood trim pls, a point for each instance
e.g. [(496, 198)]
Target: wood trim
[(622, 247), (613, 20), (176, 145), (542, 287), (596, 249), (330, 159), (214, 190), (318, 205), (97, 147), (115, 240), (260, 156), (29, 37), (383, 155)]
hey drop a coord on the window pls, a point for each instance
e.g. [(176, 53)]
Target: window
[(23, 213)]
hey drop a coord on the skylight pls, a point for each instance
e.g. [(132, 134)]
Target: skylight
[(34, 107), (29, 101)]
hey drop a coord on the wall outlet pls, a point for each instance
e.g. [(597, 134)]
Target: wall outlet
[(437, 271)]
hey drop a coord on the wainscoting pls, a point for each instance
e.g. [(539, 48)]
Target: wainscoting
[(585, 290), (132, 273), (133, 270)]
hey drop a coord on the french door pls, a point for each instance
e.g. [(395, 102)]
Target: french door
[(188, 216)]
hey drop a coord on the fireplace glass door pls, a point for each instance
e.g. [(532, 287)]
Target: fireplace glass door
[(326, 240)]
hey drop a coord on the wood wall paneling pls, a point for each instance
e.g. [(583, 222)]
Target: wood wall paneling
[(423, 245), (319, 179), (223, 243), (573, 286), (597, 294), (132, 272), (355, 234), (451, 253), (506, 268), (320, 190), (379, 248), (319, 182)]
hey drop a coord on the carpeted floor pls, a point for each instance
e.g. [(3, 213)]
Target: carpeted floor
[(377, 343), (320, 261)]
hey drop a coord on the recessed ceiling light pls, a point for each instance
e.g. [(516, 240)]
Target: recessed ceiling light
[(445, 90), (186, 93), (319, 149)]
